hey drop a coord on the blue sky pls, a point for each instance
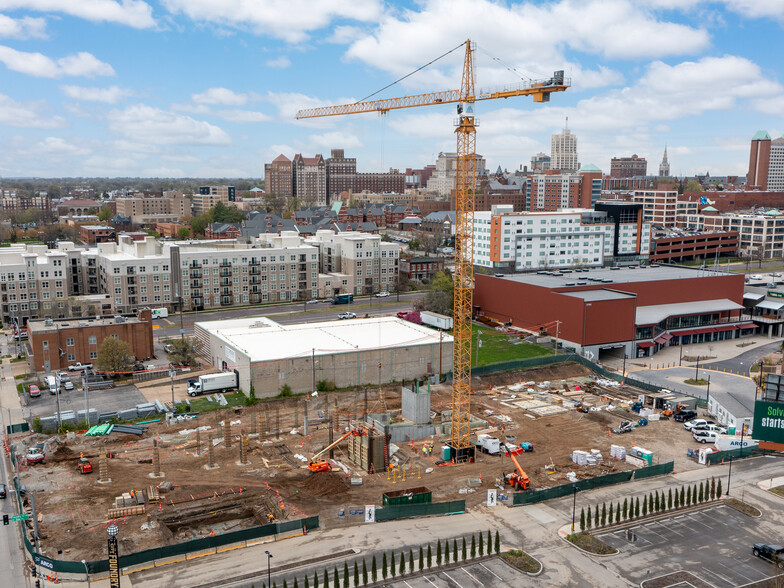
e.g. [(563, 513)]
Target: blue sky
[(210, 87)]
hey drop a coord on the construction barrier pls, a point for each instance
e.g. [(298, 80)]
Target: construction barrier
[(660, 469), (17, 428), (718, 457), (391, 513), (182, 550), (531, 497)]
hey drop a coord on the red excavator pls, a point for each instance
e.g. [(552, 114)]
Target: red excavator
[(322, 465), (518, 479)]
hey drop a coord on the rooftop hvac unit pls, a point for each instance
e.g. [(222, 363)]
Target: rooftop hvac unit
[(119, 319), (48, 322)]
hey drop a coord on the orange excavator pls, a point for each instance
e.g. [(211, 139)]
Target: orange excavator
[(518, 479), (322, 465)]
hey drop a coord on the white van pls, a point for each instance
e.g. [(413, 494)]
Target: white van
[(51, 383)]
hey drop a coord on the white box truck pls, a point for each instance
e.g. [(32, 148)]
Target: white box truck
[(160, 313), (222, 382), (433, 319)]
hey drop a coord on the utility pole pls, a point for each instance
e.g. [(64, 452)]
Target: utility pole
[(440, 354), (86, 388), (313, 366)]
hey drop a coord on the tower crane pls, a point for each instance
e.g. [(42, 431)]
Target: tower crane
[(465, 185)]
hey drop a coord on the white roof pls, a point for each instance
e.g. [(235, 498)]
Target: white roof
[(650, 315), (754, 295), (262, 339), (770, 305)]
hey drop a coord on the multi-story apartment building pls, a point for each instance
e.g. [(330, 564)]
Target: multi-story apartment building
[(340, 174), (776, 167), (505, 240), (209, 196), (553, 191), (759, 161), (12, 201), (563, 152), (443, 179), (144, 209), (355, 263), (310, 180), (540, 162), (628, 167), (416, 179), (760, 235), (278, 177), (662, 208)]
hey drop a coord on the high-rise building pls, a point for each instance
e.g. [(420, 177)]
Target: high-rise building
[(310, 180), (340, 174), (563, 151), (278, 177), (628, 167), (444, 177), (209, 196), (552, 191), (776, 167), (540, 162), (664, 166), (759, 161)]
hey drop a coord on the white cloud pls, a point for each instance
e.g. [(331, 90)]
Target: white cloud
[(281, 62), (111, 165), (133, 13), (290, 20), (335, 139), (111, 95), (57, 146), (344, 34), (152, 125), (39, 65), (531, 38), (28, 114), (22, 28), (289, 103), (163, 172), (243, 116), (747, 8), (220, 96)]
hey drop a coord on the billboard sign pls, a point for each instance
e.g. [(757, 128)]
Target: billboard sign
[(768, 421)]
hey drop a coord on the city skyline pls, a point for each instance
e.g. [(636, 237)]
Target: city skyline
[(210, 89)]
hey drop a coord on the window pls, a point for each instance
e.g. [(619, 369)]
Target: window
[(69, 341), (45, 344), (93, 355), (71, 357), (92, 340)]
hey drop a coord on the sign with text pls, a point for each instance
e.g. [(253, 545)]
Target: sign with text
[(491, 497), (114, 563), (768, 421), (370, 513)]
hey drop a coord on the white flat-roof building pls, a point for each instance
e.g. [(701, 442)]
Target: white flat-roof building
[(346, 353)]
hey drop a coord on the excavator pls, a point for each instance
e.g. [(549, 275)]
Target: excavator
[(518, 479), (322, 465)]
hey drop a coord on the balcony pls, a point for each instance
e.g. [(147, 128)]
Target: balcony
[(226, 301), (224, 264), (194, 264), (254, 261), (130, 271), (195, 274), (195, 284), (132, 300), (131, 281), (255, 280), (132, 291), (226, 292), (254, 271)]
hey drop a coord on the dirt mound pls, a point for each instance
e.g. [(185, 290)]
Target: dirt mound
[(555, 372), (327, 484), (62, 453)]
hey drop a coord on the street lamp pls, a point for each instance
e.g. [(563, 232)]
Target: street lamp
[(114, 556), (742, 434), (269, 575), (574, 505), (86, 572)]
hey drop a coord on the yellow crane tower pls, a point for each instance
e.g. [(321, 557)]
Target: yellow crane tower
[(466, 124)]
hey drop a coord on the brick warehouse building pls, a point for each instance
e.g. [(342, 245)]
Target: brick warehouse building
[(56, 344), (632, 311)]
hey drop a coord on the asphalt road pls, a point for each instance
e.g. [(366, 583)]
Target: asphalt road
[(288, 313), (673, 379), (742, 363)]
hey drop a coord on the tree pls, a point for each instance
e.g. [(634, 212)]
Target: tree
[(384, 566), (105, 213), (489, 542), (185, 352), (497, 542), (637, 507), (402, 564), (589, 518), (625, 508), (183, 233), (713, 488), (618, 513), (700, 495), (374, 569), (364, 572), (473, 546), (335, 578), (694, 494), (115, 356), (438, 553), (596, 517), (692, 186), (718, 488), (677, 501), (345, 574), (440, 294), (296, 583), (465, 556), (644, 507), (284, 583), (421, 559), (669, 499), (392, 564), (604, 514), (656, 505), (454, 550), (688, 496), (315, 580), (429, 556), (410, 561), (481, 545), (582, 519), (650, 503)]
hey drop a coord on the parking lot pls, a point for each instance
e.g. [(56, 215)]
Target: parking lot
[(488, 573), (103, 400), (714, 544)]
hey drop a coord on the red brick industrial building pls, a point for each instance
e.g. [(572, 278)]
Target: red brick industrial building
[(625, 311), (699, 246)]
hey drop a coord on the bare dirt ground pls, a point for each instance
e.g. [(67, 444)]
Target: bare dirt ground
[(276, 483)]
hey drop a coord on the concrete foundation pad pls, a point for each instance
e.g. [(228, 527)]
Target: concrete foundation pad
[(154, 475)]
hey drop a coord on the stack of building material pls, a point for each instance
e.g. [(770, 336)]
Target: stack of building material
[(118, 513), (571, 476), (580, 457), (597, 455), (617, 452), (132, 429), (152, 494)]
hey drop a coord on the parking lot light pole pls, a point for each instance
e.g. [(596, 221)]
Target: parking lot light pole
[(269, 576), (729, 478), (574, 505), (86, 572)]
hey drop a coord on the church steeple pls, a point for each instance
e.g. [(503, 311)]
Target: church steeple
[(664, 166)]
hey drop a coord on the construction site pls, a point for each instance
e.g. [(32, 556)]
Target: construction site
[(189, 476)]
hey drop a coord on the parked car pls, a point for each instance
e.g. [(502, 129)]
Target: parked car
[(772, 553), (704, 436), (3, 491), (696, 424), (382, 295), (168, 348), (34, 391), (776, 274), (685, 416), (715, 428), (68, 385), (79, 367), (756, 276), (312, 301), (64, 376), (347, 315)]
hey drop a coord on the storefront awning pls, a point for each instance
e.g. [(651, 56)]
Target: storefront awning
[(725, 328), (666, 336), (660, 340), (747, 326), (645, 344)]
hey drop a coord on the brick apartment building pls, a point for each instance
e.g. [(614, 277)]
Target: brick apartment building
[(420, 268), (143, 209), (92, 234), (677, 248), (12, 201), (628, 167), (56, 344)]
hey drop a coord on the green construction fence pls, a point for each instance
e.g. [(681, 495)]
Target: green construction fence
[(531, 497), (391, 513), (724, 456), (178, 549), (660, 469)]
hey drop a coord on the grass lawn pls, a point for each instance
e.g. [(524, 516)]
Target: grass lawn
[(522, 561), (591, 544), (743, 507), (496, 347), (203, 404), (778, 490)]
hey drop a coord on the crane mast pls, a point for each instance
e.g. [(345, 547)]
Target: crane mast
[(465, 188)]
